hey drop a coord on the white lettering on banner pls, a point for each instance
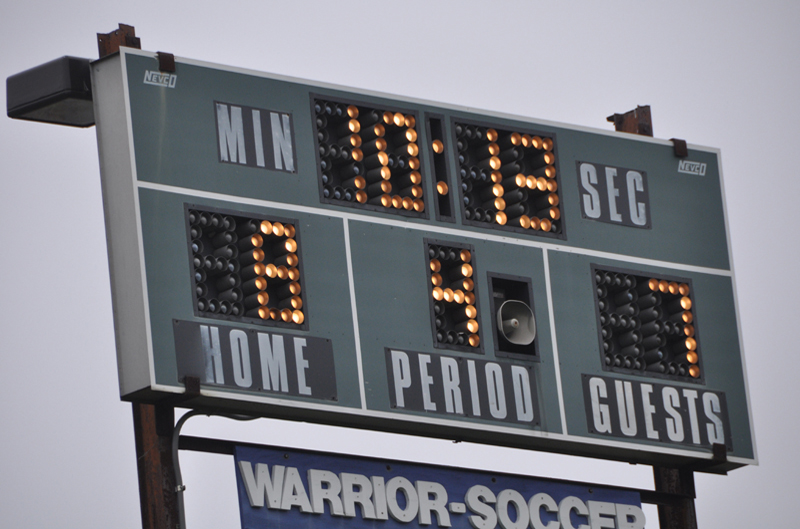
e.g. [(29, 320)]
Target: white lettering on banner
[(402, 376), (510, 497), (379, 490), (536, 504), (450, 381), (294, 493), (629, 210), (600, 412), (649, 410), (477, 499), (672, 400), (209, 338), (432, 499), (273, 363), (352, 495), (637, 209), (259, 485), (259, 140), (494, 386), (668, 414), (240, 358), (357, 489), (302, 365), (506, 388), (565, 509), (282, 141), (613, 193), (627, 417), (591, 201), (330, 493), (711, 405), (601, 514), (691, 396), (230, 129), (522, 393), (473, 388), (272, 356), (245, 136), (427, 382), (403, 486), (629, 516)]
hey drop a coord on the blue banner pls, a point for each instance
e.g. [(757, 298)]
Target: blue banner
[(282, 488)]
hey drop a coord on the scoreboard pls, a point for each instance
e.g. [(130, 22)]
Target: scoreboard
[(326, 254)]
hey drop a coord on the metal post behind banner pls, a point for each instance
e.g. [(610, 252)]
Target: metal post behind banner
[(680, 513), (152, 427)]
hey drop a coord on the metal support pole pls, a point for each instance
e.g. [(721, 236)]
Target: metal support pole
[(636, 121), (679, 513), (152, 428)]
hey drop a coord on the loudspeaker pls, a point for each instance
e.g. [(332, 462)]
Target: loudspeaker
[(516, 323)]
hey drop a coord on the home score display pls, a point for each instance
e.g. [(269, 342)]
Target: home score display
[(317, 253)]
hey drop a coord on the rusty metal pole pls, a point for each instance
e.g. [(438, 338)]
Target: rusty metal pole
[(636, 121), (152, 424), (681, 513), (152, 427)]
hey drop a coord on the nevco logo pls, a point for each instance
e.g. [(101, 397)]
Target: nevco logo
[(160, 79), (685, 166)]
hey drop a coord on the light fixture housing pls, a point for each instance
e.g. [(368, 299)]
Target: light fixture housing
[(59, 91)]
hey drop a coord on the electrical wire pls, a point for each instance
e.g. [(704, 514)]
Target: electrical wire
[(179, 486)]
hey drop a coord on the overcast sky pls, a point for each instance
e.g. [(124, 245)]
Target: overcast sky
[(723, 74)]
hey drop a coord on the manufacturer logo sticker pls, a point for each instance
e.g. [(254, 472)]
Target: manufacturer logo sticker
[(696, 168), (160, 79)]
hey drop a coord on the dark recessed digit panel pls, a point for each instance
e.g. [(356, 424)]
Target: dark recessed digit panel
[(245, 268), (368, 157), (647, 325), (454, 299), (508, 179)]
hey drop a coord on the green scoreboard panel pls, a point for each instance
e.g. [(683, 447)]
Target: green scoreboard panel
[(318, 253)]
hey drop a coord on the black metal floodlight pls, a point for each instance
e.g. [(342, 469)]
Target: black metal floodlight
[(58, 91)]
